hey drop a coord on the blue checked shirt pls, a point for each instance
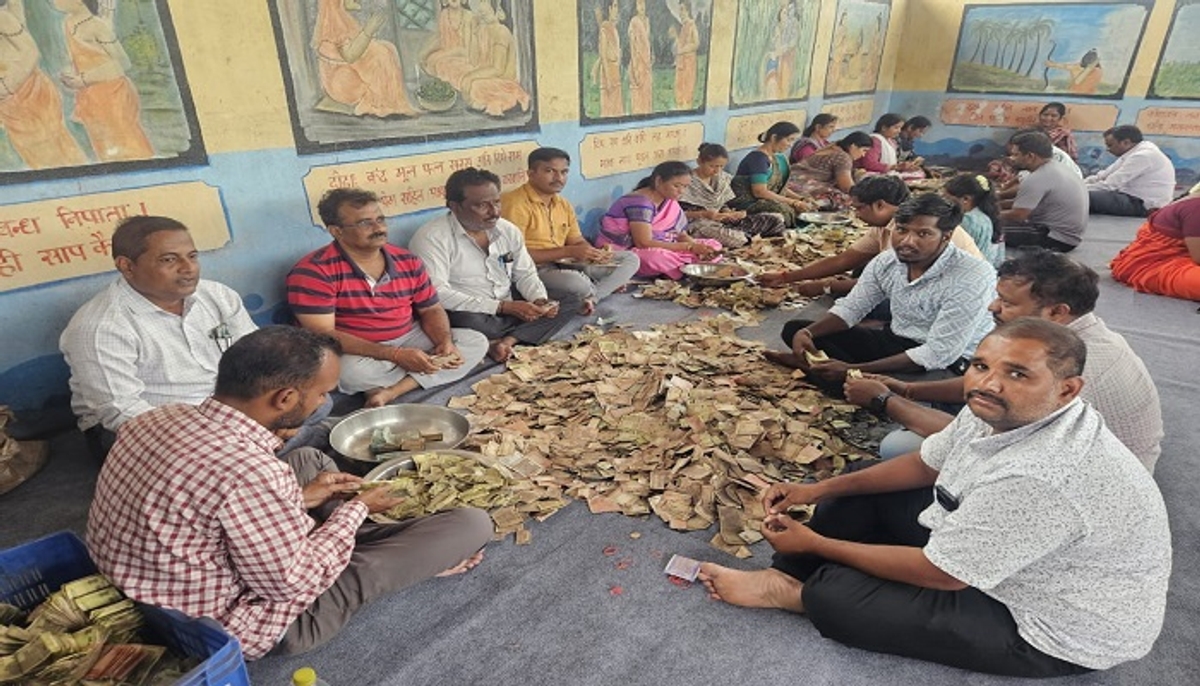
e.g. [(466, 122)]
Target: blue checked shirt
[(945, 309)]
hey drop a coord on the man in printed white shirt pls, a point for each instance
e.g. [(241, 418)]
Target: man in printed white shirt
[(1023, 540), (1046, 284), (477, 260), (154, 336), (1139, 182)]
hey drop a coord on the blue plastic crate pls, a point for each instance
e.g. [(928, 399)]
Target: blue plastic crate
[(32, 571)]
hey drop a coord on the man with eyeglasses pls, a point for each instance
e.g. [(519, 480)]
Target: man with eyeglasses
[(377, 300), (154, 336), (480, 265)]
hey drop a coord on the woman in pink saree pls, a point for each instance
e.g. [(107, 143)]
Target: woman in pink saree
[(448, 55), (356, 69), (650, 223)]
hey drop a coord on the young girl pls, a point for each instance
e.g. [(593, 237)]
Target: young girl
[(981, 213)]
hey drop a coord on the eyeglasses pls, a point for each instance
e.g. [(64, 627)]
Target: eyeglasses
[(366, 223)]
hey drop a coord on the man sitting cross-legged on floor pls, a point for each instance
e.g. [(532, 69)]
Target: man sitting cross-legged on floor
[(194, 512), (364, 292), (477, 260), (1049, 285), (876, 199), (154, 336), (552, 233), (1022, 540), (1141, 180), (938, 293), (1051, 206)]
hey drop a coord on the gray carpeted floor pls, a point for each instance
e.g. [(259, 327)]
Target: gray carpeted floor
[(560, 611)]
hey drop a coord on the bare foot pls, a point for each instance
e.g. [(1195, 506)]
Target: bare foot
[(587, 308), (500, 350), (787, 359), (767, 588), (378, 397), (464, 566)]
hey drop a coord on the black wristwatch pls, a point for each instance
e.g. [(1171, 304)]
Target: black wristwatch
[(879, 403)]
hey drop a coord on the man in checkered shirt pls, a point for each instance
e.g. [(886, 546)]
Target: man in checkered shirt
[(193, 510)]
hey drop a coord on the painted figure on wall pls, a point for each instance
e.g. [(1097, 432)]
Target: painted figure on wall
[(1178, 72), (1033, 48), (360, 73), (1085, 76), (687, 42), (641, 62), (491, 86), (857, 48), (448, 55), (379, 72), (607, 72), (31, 108), (642, 58), (106, 102), (773, 50)]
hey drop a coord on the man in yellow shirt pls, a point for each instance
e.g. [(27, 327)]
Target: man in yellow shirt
[(552, 236)]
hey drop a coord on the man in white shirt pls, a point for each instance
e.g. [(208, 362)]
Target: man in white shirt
[(1049, 285), (1023, 540), (154, 336), (1139, 182), (476, 260)]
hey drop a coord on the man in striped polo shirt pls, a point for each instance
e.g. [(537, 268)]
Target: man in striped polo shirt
[(365, 293)]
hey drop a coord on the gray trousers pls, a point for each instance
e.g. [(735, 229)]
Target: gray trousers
[(386, 558), (364, 373), (536, 332), (592, 283)]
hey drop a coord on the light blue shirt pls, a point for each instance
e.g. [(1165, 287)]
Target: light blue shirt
[(944, 309), (979, 226)]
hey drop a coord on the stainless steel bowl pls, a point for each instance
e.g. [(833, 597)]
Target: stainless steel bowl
[(404, 463), (352, 436), (825, 218), (713, 274)]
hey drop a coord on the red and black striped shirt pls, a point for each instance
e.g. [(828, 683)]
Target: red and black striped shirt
[(327, 281)]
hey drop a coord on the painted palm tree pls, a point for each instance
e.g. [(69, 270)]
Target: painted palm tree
[(1041, 29)]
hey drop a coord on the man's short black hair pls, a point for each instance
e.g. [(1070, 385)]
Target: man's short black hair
[(885, 187), (132, 235), (461, 180), (1054, 278), (947, 213), (272, 358), (1034, 142), (547, 155), (917, 123), (1066, 353), (1126, 132), (330, 205)]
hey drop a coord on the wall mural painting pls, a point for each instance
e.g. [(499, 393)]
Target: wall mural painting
[(1178, 73), (856, 52), (366, 73), (643, 58), (1081, 50), (89, 87), (773, 50)]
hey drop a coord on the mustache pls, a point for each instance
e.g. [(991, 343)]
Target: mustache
[(987, 396), (379, 234)]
